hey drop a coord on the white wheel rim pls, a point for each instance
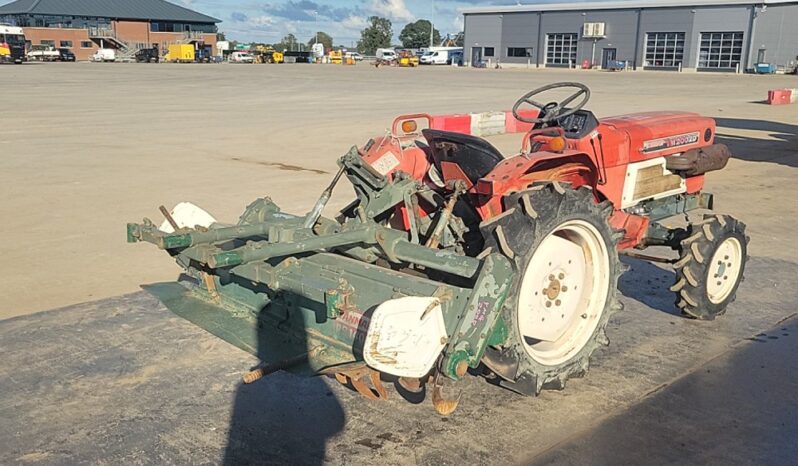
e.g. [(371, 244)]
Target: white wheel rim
[(724, 269), (563, 292)]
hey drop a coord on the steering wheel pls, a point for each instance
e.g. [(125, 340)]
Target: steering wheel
[(553, 110)]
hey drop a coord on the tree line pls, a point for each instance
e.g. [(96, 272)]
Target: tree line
[(377, 34)]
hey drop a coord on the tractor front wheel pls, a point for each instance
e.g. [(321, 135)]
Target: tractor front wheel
[(710, 268), (563, 250)]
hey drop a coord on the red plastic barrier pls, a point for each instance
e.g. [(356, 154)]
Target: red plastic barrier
[(779, 96), (514, 126), (462, 123), (456, 123)]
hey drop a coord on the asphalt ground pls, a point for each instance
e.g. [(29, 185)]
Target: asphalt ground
[(120, 379)]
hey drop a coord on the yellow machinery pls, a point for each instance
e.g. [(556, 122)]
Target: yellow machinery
[(266, 54), (407, 58), (336, 57), (180, 53)]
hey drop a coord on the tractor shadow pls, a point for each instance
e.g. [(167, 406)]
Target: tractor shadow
[(284, 418), (648, 284), (779, 145)]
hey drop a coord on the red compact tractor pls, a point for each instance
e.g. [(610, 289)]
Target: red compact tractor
[(579, 187), (455, 257)]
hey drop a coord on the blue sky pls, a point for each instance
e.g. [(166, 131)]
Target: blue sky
[(269, 21)]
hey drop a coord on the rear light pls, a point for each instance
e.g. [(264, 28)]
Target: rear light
[(409, 126)]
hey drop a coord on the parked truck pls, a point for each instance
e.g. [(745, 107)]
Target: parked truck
[(43, 53), (180, 53), (149, 55)]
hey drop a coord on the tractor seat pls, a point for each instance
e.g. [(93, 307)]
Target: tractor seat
[(475, 156)]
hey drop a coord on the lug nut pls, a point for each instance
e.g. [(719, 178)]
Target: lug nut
[(557, 303), (551, 277), (562, 275), (548, 303), (564, 289)]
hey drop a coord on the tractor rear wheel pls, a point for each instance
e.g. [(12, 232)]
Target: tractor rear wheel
[(564, 253), (710, 267)]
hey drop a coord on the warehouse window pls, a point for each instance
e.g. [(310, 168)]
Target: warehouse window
[(48, 42), (561, 49), (720, 50), (86, 44), (664, 49), (488, 52), (66, 44), (519, 51)]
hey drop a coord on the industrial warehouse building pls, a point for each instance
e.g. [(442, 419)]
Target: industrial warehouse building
[(125, 25), (702, 35)]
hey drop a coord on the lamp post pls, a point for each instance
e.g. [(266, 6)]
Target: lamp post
[(432, 24)]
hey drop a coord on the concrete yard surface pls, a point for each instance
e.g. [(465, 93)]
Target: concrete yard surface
[(91, 146), (107, 375)]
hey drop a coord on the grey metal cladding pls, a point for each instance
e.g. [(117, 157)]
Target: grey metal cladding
[(567, 21), (116, 9), (720, 19), (619, 30), (776, 30), (616, 5), (520, 30), (482, 31)]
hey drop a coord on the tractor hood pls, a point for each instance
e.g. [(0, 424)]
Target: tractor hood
[(663, 133)]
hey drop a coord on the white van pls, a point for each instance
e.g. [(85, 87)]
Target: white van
[(386, 54), (241, 57), (435, 57), (439, 55), (104, 55)]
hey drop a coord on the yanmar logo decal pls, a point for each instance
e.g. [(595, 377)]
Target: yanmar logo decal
[(655, 145)]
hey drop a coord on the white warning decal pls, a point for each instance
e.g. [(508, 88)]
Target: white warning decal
[(386, 163)]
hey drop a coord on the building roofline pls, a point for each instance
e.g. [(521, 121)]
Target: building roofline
[(34, 8), (614, 5)]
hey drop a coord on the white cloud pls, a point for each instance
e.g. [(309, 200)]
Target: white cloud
[(395, 10), (261, 21), (354, 23)]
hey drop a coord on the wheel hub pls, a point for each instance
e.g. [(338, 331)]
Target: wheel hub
[(554, 288), (724, 270)]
